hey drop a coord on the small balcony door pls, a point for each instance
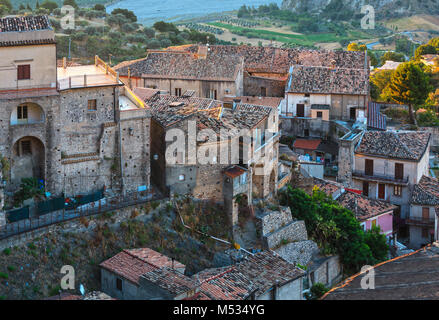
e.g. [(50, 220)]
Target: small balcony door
[(368, 167), (382, 191), (425, 213), (301, 110), (399, 171)]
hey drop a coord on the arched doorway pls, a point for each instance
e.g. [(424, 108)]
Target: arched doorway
[(28, 160), (27, 113)]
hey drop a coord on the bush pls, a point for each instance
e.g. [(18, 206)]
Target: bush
[(317, 291), (4, 275), (7, 251)]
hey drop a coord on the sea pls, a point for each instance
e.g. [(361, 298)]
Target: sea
[(150, 11)]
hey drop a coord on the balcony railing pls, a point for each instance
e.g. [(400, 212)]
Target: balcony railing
[(26, 121), (379, 178), (419, 221)]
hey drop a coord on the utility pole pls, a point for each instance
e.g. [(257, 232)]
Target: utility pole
[(70, 45)]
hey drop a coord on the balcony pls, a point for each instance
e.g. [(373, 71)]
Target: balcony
[(379, 178), (419, 221)]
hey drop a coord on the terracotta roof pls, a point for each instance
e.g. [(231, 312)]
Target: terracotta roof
[(426, 192), (225, 283), (414, 276), (183, 65), (24, 23), (26, 42), (322, 79), (171, 280), (307, 144), (131, 264), (145, 93), (363, 207), (328, 187), (266, 268), (222, 62), (235, 171), (404, 145)]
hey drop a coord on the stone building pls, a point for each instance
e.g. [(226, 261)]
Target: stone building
[(327, 92), (69, 127), (220, 72), (424, 207), (205, 73), (143, 274), (385, 165), (220, 151)]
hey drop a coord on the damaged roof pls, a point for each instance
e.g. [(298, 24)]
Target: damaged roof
[(404, 145), (322, 79), (169, 110)]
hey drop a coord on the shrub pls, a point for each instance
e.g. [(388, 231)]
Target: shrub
[(317, 291), (4, 275), (7, 251)]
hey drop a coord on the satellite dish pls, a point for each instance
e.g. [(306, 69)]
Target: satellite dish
[(82, 289)]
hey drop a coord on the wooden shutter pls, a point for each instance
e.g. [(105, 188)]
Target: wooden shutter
[(369, 167), (366, 188), (23, 72), (425, 213), (399, 171), (301, 110), (381, 191)]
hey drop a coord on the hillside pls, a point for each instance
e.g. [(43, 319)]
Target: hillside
[(384, 8), (81, 3)]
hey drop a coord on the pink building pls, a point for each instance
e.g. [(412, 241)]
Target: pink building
[(369, 212)]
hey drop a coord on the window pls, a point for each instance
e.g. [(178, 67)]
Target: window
[(23, 72), (307, 95), (306, 132), (213, 94), (374, 223), (22, 112), (178, 92), (119, 284), (381, 191), (366, 188), (399, 171), (368, 167), (397, 191), (263, 91), (319, 114), (92, 105)]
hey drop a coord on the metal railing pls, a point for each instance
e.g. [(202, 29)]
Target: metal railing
[(420, 221), (99, 207), (374, 176)]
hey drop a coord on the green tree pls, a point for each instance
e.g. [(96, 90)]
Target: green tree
[(99, 7), (377, 243), (71, 3), (392, 56), (49, 5), (409, 85), (127, 13), (380, 80), (7, 4), (425, 49)]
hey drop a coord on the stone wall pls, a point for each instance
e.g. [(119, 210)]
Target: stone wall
[(253, 85), (292, 232), (268, 222)]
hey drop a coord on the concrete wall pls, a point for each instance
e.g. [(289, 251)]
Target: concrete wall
[(434, 136), (253, 85), (416, 238), (384, 221), (328, 271), (108, 286), (290, 291), (42, 61)]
